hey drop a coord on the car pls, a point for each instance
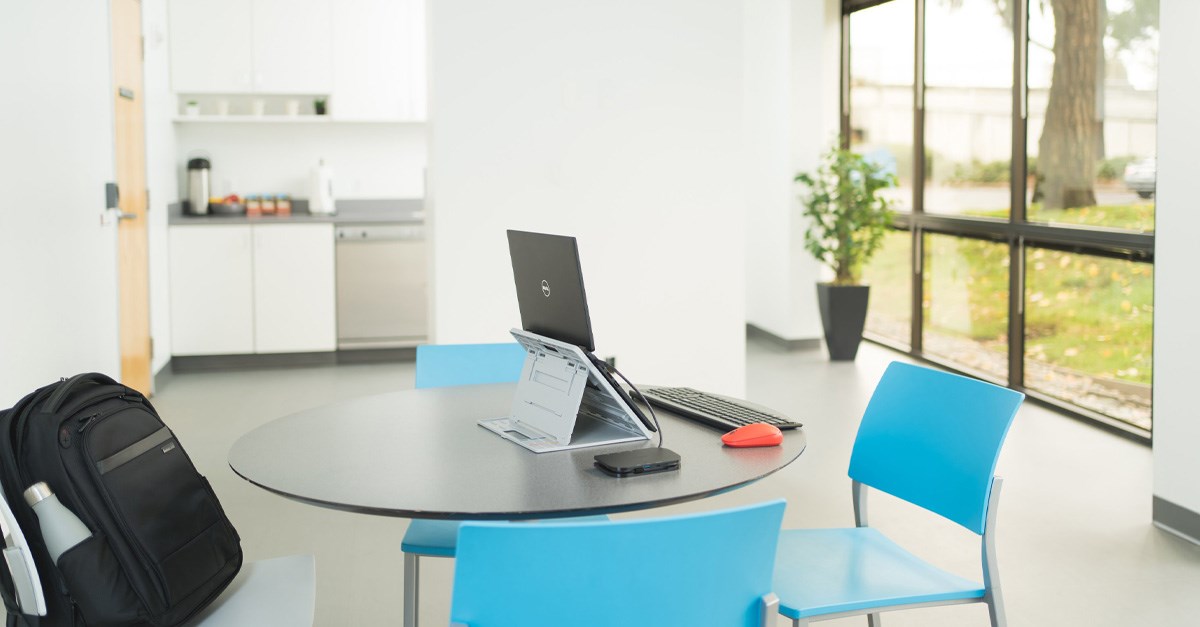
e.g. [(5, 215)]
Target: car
[(1139, 176)]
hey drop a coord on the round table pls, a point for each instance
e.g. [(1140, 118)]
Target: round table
[(420, 454)]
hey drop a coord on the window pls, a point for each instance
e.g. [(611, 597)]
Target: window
[(965, 304), (1091, 140), (1088, 323), (968, 108), (1032, 202), (881, 91), (889, 273)]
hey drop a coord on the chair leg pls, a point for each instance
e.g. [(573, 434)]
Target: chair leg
[(996, 613), (412, 573), (873, 620)]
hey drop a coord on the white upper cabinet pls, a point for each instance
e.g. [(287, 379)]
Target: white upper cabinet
[(211, 46), (378, 60), (368, 55), (293, 46), (251, 46)]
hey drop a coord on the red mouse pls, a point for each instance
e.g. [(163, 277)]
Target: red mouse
[(756, 434)]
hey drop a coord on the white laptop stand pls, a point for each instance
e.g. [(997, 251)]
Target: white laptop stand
[(563, 401)]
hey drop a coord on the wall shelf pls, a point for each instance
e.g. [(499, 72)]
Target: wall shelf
[(282, 119)]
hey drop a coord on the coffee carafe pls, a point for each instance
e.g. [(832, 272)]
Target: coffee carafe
[(199, 189)]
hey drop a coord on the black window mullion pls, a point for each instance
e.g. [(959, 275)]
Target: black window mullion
[(918, 181), (1017, 214), (844, 84)]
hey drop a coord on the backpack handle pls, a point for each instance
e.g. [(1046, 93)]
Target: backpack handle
[(54, 403)]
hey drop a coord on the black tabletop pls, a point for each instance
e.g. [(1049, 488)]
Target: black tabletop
[(420, 454)]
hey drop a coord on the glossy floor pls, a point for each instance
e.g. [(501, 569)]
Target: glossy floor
[(1075, 541)]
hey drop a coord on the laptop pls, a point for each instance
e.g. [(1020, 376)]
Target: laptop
[(549, 283), (566, 397)]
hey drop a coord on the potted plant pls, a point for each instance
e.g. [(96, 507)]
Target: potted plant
[(848, 219), (319, 105), (192, 108)]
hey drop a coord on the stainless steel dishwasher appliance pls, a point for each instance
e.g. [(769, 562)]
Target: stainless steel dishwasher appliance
[(382, 286)]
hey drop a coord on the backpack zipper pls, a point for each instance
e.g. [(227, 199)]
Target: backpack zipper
[(89, 420)]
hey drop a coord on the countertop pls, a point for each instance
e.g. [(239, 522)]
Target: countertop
[(350, 211)]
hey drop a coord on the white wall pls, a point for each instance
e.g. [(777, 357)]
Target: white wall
[(616, 122), (369, 160), (791, 101), (1176, 299), (57, 263), (160, 171)]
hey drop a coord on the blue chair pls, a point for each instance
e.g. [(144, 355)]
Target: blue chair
[(443, 366), (930, 438), (700, 569), (468, 364)]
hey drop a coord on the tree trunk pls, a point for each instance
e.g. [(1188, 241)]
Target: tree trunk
[(1071, 138)]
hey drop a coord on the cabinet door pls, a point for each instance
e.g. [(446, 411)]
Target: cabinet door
[(378, 60), (212, 294), (293, 46), (211, 46), (294, 310)]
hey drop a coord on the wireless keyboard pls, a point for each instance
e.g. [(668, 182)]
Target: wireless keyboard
[(713, 410)]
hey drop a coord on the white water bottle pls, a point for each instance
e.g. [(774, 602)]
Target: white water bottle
[(320, 190), (60, 528)]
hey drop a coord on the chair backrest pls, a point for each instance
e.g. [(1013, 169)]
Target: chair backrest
[(699, 569), (441, 365), (932, 438)]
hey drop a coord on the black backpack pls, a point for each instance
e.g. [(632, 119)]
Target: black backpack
[(161, 547)]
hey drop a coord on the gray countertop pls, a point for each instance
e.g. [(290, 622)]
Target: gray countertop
[(420, 454), (350, 211)]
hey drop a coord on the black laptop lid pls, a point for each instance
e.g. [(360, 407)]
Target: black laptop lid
[(550, 287)]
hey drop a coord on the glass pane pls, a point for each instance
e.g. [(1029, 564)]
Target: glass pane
[(881, 91), (968, 108), (966, 303), (1092, 112), (1088, 324), (889, 273)]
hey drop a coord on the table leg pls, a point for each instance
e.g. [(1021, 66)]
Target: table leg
[(412, 571)]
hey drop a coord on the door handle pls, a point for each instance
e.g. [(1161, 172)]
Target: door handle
[(125, 215)]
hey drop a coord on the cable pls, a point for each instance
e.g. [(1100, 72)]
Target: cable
[(641, 396)]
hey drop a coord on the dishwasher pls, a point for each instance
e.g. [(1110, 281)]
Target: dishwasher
[(382, 286)]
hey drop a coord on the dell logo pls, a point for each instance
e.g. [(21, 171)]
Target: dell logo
[(546, 288)]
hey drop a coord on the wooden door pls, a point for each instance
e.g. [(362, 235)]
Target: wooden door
[(130, 145)]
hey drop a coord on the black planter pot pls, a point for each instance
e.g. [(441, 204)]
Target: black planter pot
[(843, 314)]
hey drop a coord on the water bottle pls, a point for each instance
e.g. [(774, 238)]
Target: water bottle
[(60, 528)]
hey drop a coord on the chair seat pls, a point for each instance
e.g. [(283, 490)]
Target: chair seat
[(827, 571), (439, 538), (277, 592)]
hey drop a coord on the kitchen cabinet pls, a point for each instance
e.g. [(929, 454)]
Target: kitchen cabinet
[(211, 49), (241, 289), (251, 46), (294, 307), (378, 60), (212, 290)]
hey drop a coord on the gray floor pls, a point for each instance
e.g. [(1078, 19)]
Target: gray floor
[(1075, 542)]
